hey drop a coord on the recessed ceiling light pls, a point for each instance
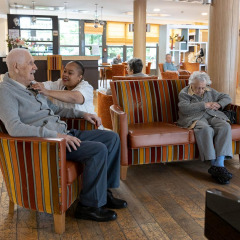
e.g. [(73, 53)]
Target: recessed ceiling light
[(204, 14), (156, 9)]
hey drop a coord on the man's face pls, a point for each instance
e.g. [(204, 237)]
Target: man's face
[(168, 58), (199, 88), (118, 56), (25, 70)]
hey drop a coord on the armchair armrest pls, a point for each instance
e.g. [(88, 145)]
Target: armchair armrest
[(34, 170), (120, 126), (79, 124)]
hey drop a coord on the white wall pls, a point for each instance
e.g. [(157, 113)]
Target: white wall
[(3, 36)]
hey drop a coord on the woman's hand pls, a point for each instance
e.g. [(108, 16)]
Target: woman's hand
[(92, 118), (40, 87), (212, 105), (70, 141)]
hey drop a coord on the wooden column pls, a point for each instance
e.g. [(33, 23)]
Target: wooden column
[(223, 45), (139, 44)]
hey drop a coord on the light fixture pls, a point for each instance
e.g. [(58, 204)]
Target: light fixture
[(131, 27), (156, 9), (34, 19), (207, 2), (65, 6), (101, 22), (204, 14), (96, 21)]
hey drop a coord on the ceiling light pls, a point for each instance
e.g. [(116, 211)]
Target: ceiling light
[(66, 18), (204, 13), (34, 19), (101, 22), (156, 9), (96, 21)]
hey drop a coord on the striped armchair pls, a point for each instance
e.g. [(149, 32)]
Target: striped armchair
[(144, 115), (37, 175)]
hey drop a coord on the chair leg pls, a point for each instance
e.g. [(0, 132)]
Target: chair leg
[(123, 172), (59, 223), (11, 207)]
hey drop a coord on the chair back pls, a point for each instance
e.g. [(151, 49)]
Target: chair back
[(118, 70), (54, 62), (133, 78), (106, 63), (148, 68), (160, 65), (169, 75), (191, 67), (149, 100)]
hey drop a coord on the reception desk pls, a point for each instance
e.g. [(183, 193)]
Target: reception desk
[(90, 63)]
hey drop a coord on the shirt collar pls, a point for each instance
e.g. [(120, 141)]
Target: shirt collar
[(191, 93)]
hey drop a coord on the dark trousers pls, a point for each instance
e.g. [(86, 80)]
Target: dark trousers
[(99, 151)]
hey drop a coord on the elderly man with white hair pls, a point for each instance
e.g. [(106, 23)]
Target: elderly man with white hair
[(200, 109), (26, 112)]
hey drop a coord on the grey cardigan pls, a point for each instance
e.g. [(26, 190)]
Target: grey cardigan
[(192, 107), (27, 114)]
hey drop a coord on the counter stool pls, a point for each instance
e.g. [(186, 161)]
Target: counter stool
[(54, 62)]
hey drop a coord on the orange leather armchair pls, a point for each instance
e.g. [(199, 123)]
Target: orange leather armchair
[(37, 174), (148, 68), (118, 70), (191, 67)]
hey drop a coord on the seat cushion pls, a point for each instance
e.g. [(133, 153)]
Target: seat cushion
[(235, 133), (156, 134), (74, 169)]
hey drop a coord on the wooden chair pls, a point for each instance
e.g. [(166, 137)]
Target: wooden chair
[(148, 68), (54, 62), (118, 70), (37, 174), (191, 67)]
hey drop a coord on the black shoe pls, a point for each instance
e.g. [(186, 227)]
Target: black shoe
[(220, 172), (221, 180), (93, 213), (114, 203)]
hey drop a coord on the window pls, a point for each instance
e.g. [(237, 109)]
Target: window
[(69, 37), (151, 56), (113, 51), (129, 53)]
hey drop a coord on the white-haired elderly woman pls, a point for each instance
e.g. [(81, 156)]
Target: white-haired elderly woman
[(200, 109)]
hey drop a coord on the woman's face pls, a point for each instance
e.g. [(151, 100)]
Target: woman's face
[(71, 76), (199, 88)]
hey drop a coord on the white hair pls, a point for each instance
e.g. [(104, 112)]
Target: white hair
[(16, 55), (199, 77)]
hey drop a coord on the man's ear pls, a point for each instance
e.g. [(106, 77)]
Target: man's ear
[(15, 67)]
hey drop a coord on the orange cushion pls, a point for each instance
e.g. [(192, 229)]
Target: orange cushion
[(74, 169), (156, 134)]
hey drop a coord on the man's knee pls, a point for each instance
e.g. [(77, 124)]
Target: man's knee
[(100, 149)]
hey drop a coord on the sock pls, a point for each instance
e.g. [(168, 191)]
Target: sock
[(219, 162)]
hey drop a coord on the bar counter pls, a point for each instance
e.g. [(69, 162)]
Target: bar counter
[(90, 64)]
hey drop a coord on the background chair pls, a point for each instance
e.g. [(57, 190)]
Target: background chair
[(37, 174), (54, 62), (148, 68), (133, 78), (118, 70), (191, 67)]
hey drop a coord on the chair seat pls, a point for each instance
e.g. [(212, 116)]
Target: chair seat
[(235, 133), (156, 134), (74, 169)]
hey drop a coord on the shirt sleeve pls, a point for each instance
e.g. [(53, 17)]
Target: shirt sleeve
[(50, 85), (165, 67), (86, 90)]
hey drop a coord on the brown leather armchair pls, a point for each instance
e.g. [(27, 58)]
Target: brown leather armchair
[(37, 174)]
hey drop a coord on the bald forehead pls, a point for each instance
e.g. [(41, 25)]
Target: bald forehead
[(18, 56)]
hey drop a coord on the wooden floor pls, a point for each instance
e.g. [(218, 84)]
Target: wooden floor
[(164, 202)]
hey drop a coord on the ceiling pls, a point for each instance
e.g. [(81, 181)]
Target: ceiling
[(179, 11)]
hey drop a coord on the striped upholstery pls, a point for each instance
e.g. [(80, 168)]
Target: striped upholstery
[(54, 62), (34, 171), (151, 101)]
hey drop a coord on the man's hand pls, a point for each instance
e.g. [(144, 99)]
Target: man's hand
[(212, 105), (40, 87), (92, 118), (70, 141)]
